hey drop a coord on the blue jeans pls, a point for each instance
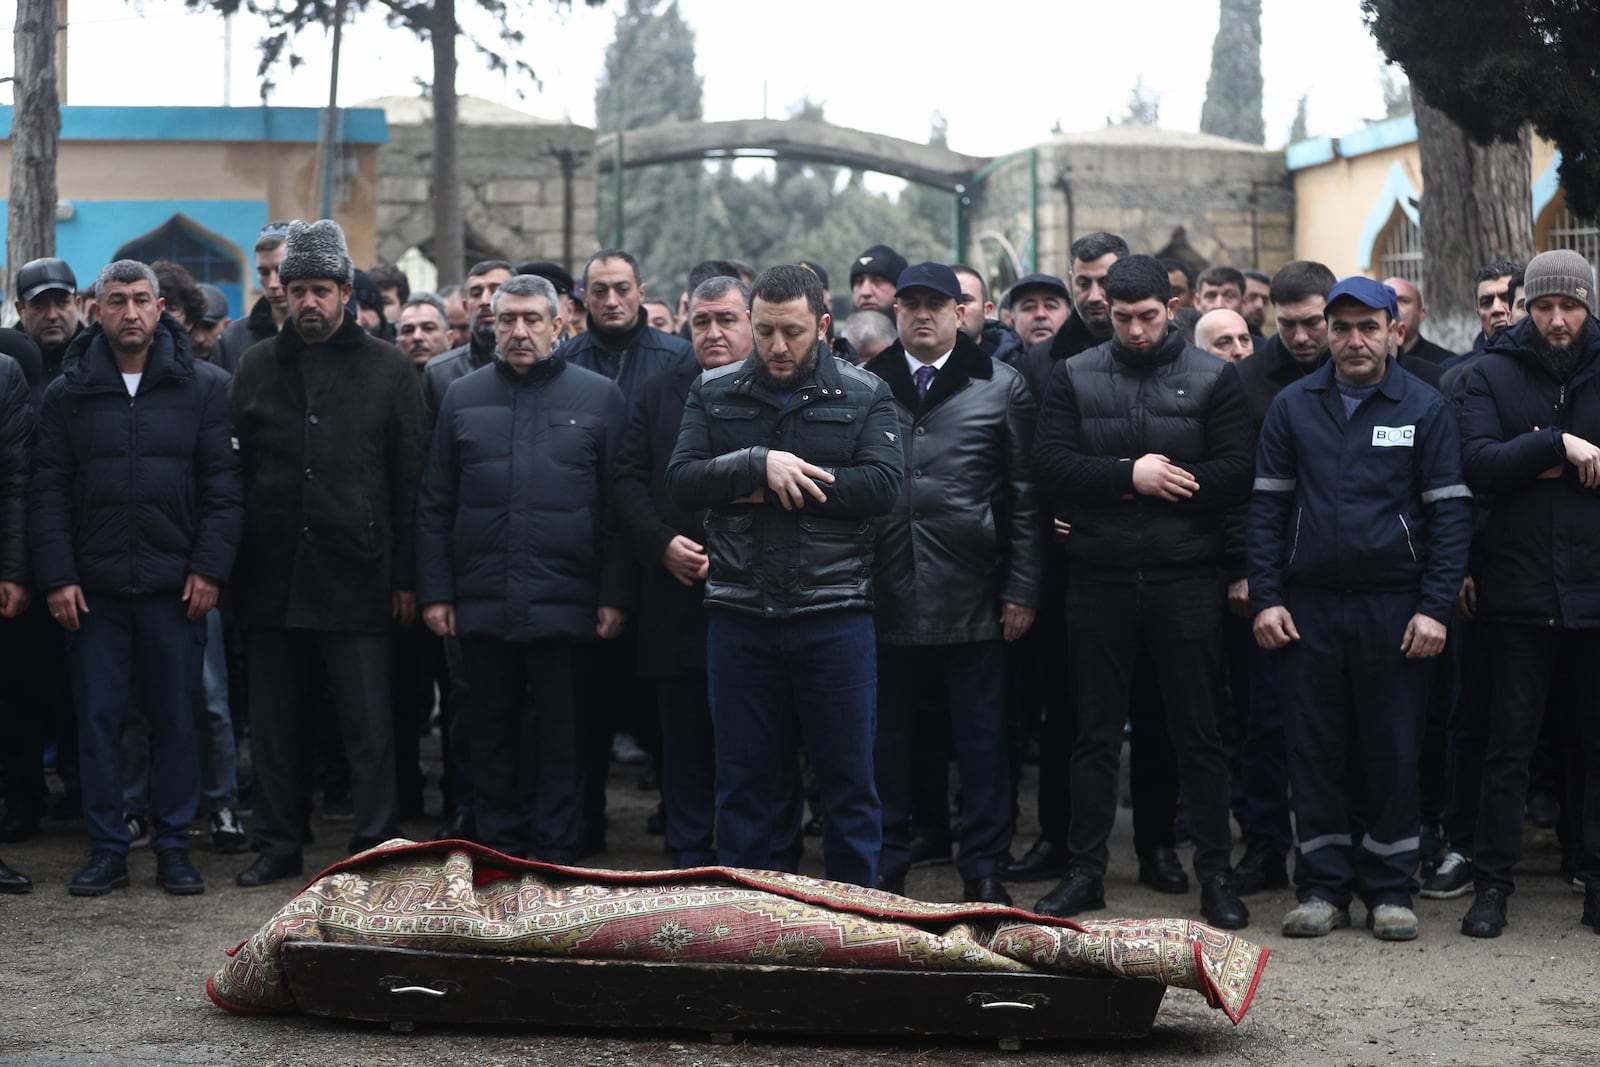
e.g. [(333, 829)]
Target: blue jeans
[(776, 684), (144, 649)]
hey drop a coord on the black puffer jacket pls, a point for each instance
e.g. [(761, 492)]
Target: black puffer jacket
[(1537, 560), (331, 439), (965, 536), (1107, 407), (132, 494), (764, 560), (16, 444), (630, 358), (511, 520)]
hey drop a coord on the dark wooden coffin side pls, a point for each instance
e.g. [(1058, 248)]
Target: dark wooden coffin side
[(392, 985)]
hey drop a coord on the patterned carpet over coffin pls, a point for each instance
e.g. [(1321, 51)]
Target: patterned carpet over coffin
[(460, 897)]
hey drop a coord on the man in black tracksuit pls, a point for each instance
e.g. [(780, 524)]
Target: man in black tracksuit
[(1359, 529), (1145, 442)]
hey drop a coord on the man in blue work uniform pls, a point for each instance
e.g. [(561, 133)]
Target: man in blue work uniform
[(1359, 527)]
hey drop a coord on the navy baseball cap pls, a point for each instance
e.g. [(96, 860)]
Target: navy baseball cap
[(1039, 281), (935, 276), (1373, 294)]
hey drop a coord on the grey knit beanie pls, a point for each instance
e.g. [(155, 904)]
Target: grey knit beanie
[(316, 250), (1561, 272)]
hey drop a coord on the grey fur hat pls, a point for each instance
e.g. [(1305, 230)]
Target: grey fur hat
[(1561, 272), (316, 250)]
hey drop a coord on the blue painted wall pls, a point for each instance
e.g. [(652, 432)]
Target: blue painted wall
[(90, 239), (365, 125)]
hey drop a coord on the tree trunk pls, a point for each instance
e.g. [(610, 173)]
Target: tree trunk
[(1476, 208), (449, 231), (35, 133)]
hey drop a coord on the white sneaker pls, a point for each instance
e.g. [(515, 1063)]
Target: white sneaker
[(1391, 922), (1314, 917)]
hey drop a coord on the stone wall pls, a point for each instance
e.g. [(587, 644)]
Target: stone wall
[(522, 179), (1203, 199)]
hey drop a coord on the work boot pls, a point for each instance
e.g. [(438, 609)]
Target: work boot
[(1315, 917), (177, 875), (105, 871), (1392, 922)]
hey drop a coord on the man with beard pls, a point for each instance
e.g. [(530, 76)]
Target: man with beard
[(424, 331), (136, 512), (1224, 334), (1257, 291), (1090, 321), (482, 281), (516, 558), (1146, 442), (270, 310), (1530, 427), (329, 424), (795, 453), (669, 544)]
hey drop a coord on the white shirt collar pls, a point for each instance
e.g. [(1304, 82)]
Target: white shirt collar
[(913, 363)]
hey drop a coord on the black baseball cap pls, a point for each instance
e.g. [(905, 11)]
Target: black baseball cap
[(42, 275), (936, 276)]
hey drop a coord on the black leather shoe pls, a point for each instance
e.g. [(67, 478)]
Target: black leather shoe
[(985, 890), (1077, 892), (18, 825), (892, 883), (14, 881), (1261, 867), (1487, 916), (926, 852), (1220, 904), (268, 869), (177, 875), (105, 871), (1161, 870), (1591, 905), (461, 827), (1045, 859)]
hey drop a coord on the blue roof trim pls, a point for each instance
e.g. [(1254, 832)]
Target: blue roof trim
[(1397, 192), (364, 125), (1545, 187), (1380, 135), (1312, 153)]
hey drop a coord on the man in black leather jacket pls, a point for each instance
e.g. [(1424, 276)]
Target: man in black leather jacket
[(795, 453)]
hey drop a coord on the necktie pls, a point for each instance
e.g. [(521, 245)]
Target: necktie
[(924, 378)]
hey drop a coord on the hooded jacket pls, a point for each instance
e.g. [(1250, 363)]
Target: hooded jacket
[(965, 535), (1537, 559), (1107, 407), (132, 494), (331, 441)]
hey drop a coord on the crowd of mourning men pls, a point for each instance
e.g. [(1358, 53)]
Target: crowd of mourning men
[(1338, 572)]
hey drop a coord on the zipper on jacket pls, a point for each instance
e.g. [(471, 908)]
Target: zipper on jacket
[(1409, 546), (133, 487), (1294, 545)]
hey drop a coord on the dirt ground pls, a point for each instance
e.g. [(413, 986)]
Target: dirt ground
[(119, 980)]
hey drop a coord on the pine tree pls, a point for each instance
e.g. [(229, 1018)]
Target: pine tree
[(1298, 128), (1233, 92)]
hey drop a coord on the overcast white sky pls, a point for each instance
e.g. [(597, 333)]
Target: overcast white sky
[(1001, 71)]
